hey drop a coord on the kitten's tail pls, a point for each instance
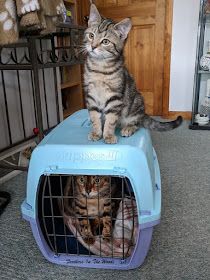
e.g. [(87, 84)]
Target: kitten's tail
[(153, 124)]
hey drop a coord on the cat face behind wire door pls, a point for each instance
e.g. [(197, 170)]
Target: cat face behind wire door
[(92, 186)]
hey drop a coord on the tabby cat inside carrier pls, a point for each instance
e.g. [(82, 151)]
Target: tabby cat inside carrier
[(88, 215)]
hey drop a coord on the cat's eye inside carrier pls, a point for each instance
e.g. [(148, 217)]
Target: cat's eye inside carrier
[(88, 215)]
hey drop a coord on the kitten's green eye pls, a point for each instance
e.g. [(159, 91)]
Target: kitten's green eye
[(105, 42), (91, 36), (97, 180)]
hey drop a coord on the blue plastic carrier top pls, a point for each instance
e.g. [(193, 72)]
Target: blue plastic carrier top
[(67, 150)]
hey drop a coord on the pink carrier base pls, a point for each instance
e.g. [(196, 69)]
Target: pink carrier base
[(135, 260)]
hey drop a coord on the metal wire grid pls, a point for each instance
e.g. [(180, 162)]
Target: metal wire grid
[(56, 233), (34, 57), (24, 136)]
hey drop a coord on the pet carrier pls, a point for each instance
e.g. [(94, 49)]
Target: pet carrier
[(65, 223)]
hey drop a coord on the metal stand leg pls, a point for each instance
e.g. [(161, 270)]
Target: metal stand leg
[(35, 69)]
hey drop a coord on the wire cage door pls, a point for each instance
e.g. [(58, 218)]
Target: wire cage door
[(102, 222)]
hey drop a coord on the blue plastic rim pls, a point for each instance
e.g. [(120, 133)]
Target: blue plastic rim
[(66, 150)]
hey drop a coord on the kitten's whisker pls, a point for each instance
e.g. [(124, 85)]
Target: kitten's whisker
[(82, 51)]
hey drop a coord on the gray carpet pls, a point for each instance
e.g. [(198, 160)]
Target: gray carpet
[(181, 243)]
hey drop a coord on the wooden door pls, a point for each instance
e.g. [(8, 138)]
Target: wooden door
[(144, 51)]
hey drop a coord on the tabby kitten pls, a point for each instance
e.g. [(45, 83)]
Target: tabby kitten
[(111, 95), (91, 205)]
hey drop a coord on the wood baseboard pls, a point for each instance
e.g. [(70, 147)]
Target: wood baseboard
[(173, 115)]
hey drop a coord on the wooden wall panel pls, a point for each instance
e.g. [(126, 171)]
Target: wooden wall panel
[(142, 41), (110, 3), (142, 9), (159, 56), (99, 3), (122, 2)]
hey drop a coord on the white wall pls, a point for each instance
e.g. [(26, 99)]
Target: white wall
[(183, 54)]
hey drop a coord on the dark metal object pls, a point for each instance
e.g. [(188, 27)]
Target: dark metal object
[(196, 126), (63, 49), (35, 69), (5, 198), (198, 72), (12, 167)]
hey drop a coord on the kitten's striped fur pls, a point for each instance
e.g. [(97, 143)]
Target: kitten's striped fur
[(90, 203), (111, 95)]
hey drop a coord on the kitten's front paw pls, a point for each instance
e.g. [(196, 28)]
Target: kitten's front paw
[(128, 131), (93, 136), (110, 139), (106, 233), (90, 240)]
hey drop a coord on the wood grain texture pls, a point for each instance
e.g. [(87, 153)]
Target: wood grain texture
[(123, 2), (110, 3), (142, 62), (159, 56), (99, 3), (167, 56), (71, 84), (139, 9)]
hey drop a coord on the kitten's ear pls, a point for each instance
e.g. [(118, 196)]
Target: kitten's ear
[(123, 27), (94, 16)]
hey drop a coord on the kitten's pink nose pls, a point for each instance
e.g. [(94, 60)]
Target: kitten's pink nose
[(94, 47), (88, 189)]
